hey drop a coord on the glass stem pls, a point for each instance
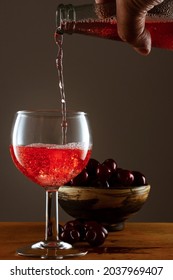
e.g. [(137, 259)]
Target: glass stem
[(51, 225)]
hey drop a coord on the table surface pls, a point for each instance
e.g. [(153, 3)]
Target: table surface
[(138, 241)]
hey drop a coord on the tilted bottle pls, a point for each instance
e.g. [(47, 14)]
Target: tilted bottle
[(100, 20)]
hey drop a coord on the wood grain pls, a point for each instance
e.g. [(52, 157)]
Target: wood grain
[(138, 241)]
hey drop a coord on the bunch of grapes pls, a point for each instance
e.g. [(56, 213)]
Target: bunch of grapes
[(79, 230), (107, 175)]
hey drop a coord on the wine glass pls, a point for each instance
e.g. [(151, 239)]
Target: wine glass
[(50, 150)]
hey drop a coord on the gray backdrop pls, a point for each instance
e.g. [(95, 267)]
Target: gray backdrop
[(128, 97)]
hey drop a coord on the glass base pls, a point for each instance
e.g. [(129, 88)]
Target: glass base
[(51, 250)]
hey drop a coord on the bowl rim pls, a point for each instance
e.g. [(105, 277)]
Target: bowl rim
[(123, 188)]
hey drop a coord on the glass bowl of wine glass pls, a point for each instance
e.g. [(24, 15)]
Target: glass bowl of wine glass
[(50, 150)]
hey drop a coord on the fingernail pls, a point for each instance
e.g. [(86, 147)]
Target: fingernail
[(143, 51)]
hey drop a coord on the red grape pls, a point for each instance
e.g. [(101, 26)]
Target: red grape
[(81, 179), (139, 179), (125, 177), (70, 235), (92, 167), (77, 225), (103, 172), (111, 164), (95, 237)]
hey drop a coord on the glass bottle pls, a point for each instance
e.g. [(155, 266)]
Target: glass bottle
[(100, 20)]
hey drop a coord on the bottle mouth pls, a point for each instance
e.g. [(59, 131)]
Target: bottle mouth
[(64, 13)]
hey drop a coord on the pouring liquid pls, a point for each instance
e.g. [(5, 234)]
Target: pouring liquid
[(59, 65)]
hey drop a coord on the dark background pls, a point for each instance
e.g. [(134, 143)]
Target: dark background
[(129, 99)]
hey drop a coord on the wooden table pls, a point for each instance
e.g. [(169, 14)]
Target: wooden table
[(138, 241)]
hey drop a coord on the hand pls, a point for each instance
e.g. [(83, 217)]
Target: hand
[(131, 22)]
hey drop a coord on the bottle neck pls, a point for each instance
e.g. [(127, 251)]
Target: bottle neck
[(68, 15), (64, 14)]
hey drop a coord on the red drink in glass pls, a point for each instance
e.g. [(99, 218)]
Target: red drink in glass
[(50, 165)]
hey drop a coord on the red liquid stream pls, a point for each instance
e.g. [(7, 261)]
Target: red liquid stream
[(161, 30), (59, 65), (50, 166)]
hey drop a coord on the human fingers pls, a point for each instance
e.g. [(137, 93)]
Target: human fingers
[(131, 15)]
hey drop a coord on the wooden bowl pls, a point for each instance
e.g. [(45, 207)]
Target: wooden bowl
[(111, 207)]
